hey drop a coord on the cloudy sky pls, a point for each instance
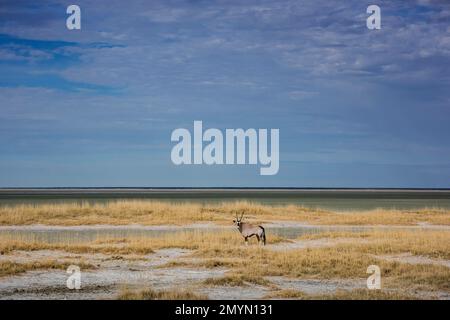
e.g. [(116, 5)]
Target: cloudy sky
[(96, 106)]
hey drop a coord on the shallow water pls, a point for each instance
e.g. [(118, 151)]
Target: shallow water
[(59, 235), (337, 199)]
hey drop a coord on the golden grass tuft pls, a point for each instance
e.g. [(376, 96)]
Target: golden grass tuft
[(365, 294), (286, 294), (356, 294), (149, 294), (236, 280), (9, 268)]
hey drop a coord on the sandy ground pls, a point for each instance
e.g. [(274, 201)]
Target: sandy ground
[(317, 287), (104, 282)]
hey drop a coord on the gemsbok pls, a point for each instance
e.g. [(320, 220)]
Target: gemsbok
[(248, 230)]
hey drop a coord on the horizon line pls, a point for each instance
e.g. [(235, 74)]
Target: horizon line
[(221, 188)]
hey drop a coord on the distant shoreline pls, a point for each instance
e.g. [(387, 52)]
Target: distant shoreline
[(324, 198), (218, 188), (223, 191), (203, 189)]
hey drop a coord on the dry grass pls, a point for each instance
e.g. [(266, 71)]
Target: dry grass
[(348, 261), (357, 294), (7, 246), (432, 216), (149, 294), (366, 294), (9, 268), (287, 294), (112, 213), (225, 249), (159, 213), (251, 264), (215, 241), (429, 243), (236, 280)]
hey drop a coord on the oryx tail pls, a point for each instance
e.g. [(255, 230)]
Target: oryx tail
[(263, 235)]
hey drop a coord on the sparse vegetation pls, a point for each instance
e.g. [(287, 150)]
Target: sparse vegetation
[(236, 280), (133, 245), (287, 294), (157, 213), (357, 294), (149, 294), (9, 268), (366, 294), (430, 243), (249, 266)]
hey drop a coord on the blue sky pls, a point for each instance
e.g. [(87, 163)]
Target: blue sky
[(96, 107)]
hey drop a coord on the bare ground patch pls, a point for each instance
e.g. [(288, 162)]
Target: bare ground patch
[(250, 292), (316, 286), (106, 281)]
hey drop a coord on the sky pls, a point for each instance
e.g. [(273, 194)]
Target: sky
[(97, 106)]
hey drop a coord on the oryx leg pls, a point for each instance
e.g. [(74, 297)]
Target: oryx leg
[(246, 241), (257, 237)]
